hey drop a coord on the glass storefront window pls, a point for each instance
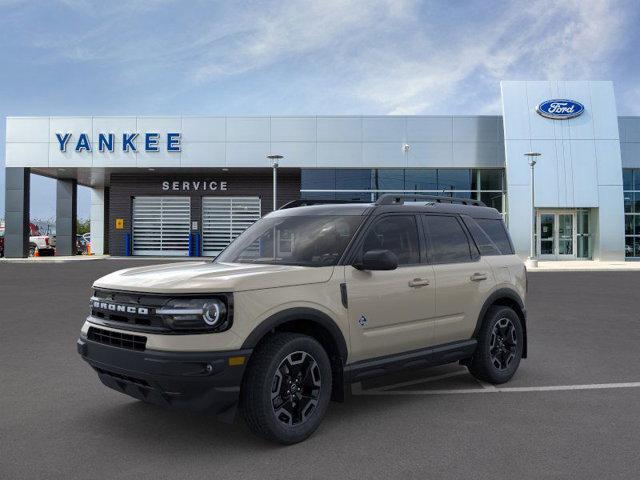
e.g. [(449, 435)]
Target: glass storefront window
[(585, 246), (454, 179), (365, 185), (629, 224), (318, 179), (631, 246), (387, 179), (353, 179), (492, 199), (636, 179), (421, 179), (491, 179), (631, 182), (627, 178)]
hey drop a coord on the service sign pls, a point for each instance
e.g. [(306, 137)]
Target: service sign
[(194, 186), (560, 109), (106, 142)]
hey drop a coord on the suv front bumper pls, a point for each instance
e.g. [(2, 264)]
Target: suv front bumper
[(199, 381)]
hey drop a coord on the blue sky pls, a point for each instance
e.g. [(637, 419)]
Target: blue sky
[(79, 57)]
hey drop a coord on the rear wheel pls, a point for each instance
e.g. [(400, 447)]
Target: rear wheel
[(287, 388), (500, 344)]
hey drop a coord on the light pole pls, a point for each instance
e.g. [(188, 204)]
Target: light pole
[(274, 162), (532, 261)]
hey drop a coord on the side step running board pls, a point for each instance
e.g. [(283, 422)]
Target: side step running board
[(425, 357)]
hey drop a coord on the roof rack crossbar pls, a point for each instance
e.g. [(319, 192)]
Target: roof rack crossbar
[(308, 202), (399, 199)]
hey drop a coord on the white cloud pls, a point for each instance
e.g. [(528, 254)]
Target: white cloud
[(541, 39), (294, 29), (392, 56)]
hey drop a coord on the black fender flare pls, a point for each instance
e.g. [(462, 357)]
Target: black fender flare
[(513, 300), (299, 314)]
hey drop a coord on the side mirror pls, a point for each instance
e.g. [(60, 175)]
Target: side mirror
[(378, 260)]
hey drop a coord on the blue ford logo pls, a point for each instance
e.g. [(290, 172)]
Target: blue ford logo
[(560, 109)]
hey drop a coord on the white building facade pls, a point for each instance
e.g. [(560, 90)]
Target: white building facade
[(189, 185)]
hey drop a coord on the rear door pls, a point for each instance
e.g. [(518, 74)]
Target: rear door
[(463, 279), (391, 311)]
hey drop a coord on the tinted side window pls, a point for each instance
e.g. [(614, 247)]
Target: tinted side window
[(496, 231), (448, 241), (398, 234), (486, 246)]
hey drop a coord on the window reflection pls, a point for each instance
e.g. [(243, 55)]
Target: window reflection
[(454, 179), (631, 185), (366, 185)]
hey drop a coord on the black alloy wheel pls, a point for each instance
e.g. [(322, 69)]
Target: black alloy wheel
[(504, 343), (286, 388), (296, 388), (500, 346)]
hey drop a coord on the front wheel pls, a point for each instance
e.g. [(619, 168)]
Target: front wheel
[(500, 346), (287, 388)]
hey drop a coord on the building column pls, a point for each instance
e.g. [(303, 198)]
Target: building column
[(97, 221), (17, 191), (66, 216), (608, 230)]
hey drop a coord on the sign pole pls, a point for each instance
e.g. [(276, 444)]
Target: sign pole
[(274, 162), (532, 261)]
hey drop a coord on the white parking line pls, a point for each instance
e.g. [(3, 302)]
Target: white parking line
[(357, 389)]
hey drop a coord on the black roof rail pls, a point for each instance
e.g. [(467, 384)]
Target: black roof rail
[(306, 203), (399, 199)]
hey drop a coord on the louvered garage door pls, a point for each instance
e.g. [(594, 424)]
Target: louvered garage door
[(224, 218), (161, 225)]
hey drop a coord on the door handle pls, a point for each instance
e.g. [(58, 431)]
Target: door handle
[(418, 282), (477, 277)]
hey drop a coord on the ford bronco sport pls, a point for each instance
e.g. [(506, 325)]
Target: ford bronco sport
[(308, 300)]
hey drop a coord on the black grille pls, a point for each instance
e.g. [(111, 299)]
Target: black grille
[(154, 320), (148, 321), (117, 339)]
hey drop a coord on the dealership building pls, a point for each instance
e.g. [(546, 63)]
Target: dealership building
[(181, 186)]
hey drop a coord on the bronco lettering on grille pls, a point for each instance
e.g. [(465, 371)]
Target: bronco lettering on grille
[(114, 307)]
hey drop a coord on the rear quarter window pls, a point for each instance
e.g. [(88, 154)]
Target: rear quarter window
[(495, 231)]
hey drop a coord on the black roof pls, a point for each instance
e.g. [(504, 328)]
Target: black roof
[(327, 209), (428, 206)]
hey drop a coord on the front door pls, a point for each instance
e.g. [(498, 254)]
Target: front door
[(556, 235), (391, 311)]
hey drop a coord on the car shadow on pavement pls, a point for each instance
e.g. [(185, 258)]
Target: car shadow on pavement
[(145, 426)]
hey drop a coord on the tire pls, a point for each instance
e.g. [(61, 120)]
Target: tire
[(296, 369), (500, 344), (32, 249)]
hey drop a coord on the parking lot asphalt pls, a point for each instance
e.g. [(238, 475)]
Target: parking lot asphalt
[(58, 421)]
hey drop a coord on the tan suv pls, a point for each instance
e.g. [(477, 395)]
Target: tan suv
[(310, 299)]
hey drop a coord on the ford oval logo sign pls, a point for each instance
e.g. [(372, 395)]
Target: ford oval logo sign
[(560, 109)]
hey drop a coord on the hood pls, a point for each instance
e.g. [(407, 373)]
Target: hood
[(208, 277)]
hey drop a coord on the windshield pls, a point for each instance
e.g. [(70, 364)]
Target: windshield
[(310, 240)]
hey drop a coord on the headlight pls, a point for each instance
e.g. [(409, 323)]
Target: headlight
[(195, 314)]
